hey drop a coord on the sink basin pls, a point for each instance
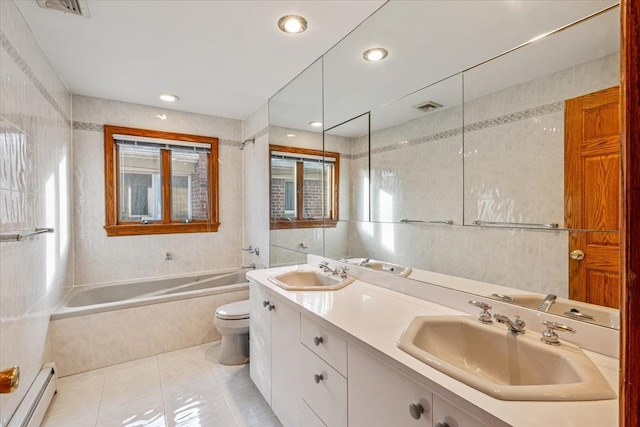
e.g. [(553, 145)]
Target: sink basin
[(500, 364), (306, 280), (387, 267), (574, 309)]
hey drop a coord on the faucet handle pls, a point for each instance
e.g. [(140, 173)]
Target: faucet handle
[(549, 336), (485, 316)]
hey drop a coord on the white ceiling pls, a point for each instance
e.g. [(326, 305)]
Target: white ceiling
[(223, 58)]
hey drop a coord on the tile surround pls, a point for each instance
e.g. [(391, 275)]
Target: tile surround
[(94, 341)]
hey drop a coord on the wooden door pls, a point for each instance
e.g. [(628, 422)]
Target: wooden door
[(592, 196)]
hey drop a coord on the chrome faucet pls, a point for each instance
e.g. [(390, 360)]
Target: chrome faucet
[(168, 256), (515, 327), (547, 303), (339, 271), (365, 263), (251, 266), (324, 266)]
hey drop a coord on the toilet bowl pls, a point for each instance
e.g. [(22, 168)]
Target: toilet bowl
[(232, 321)]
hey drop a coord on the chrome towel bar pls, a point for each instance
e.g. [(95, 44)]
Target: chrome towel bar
[(416, 221), (515, 224), (19, 236)]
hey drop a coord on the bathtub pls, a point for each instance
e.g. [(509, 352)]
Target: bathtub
[(102, 325), (97, 299)]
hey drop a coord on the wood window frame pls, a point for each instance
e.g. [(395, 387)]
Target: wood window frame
[(332, 219), (115, 227)]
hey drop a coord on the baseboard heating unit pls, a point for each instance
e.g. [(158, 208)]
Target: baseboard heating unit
[(31, 410)]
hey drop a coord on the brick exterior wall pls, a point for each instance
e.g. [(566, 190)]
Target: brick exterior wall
[(312, 192), (199, 188)]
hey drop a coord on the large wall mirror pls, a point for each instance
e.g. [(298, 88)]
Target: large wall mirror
[(504, 176)]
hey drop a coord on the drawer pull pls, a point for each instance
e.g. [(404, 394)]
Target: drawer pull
[(442, 424), (265, 303), (317, 378), (416, 410), (271, 307), (318, 340)]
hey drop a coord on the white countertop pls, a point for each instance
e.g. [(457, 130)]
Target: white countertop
[(377, 317)]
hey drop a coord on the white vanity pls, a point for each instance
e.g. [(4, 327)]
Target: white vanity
[(330, 358)]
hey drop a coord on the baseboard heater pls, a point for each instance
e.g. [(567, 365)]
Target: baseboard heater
[(31, 410)]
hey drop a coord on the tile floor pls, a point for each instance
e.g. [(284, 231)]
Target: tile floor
[(185, 388)]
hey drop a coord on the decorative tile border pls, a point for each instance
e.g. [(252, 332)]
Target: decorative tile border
[(28, 72), (94, 127), (472, 127)]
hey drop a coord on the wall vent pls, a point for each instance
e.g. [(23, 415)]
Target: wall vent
[(74, 7), (427, 106)]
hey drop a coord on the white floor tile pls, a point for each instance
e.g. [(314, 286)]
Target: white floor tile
[(251, 411), (128, 404), (225, 374), (207, 419), (271, 422), (137, 382), (152, 416), (80, 418), (239, 389), (74, 401)]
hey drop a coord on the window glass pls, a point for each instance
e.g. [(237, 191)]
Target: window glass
[(283, 188), (140, 184), (189, 185)]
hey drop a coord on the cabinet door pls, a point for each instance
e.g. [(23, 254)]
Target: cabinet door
[(379, 396), (260, 339), (324, 389), (449, 415), (285, 360)]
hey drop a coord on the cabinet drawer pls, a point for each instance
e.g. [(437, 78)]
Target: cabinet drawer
[(330, 347), (309, 418), (446, 412), (324, 390)]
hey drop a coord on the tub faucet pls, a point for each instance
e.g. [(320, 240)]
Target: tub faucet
[(515, 327), (547, 303), (365, 263), (168, 256)]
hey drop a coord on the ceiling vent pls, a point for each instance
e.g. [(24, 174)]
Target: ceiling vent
[(74, 7), (428, 106)]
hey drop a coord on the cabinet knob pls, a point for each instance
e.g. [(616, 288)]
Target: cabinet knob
[(271, 307), (318, 340), (265, 303), (317, 378), (416, 410), (442, 424)]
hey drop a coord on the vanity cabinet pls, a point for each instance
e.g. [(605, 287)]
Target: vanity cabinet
[(274, 339), (313, 377), (260, 339)]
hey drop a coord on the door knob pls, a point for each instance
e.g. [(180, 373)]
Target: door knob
[(9, 380), (577, 255)]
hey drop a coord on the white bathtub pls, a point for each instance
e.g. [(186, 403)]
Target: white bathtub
[(97, 299), (102, 325)]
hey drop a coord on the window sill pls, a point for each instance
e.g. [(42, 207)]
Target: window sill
[(309, 223), (142, 229)]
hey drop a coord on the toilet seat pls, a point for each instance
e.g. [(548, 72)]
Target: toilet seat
[(234, 311)]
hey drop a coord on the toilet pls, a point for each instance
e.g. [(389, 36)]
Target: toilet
[(232, 321)]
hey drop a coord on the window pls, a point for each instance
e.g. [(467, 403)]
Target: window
[(304, 187), (159, 182)]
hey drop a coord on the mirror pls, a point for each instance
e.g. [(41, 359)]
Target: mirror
[(295, 129), (510, 158)]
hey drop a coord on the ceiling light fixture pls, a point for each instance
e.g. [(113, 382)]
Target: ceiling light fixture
[(315, 124), (292, 24), (167, 97), (161, 116), (291, 135), (375, 54)]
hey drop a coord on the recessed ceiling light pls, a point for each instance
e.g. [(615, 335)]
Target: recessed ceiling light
[(167, 97), (161, 116), (292, 24), (315, 124), (291, 135), (375, 54)]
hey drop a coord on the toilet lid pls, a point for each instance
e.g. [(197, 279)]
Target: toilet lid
[(234, 310)]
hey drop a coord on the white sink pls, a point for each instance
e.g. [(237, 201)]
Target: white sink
[(503, 365), (307, 280), (574, 309), (387, 267)]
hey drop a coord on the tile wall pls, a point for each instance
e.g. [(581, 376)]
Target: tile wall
[(35, 191), (102, 259)]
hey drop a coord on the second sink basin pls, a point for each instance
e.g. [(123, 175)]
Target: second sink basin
[(307, 280), (503, 365)]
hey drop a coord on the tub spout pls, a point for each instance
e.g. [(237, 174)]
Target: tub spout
[(251, 266)]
